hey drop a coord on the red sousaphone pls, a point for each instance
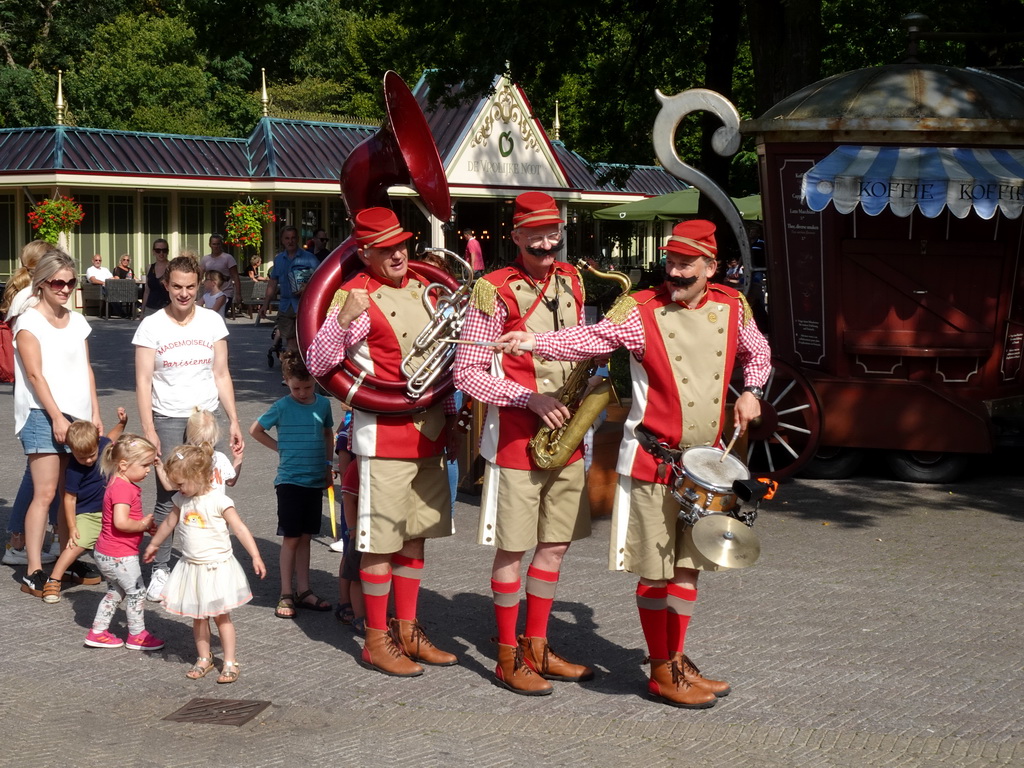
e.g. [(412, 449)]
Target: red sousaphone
[(401, 152)]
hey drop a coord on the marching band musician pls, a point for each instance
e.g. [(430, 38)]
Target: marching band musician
[(404, 494), (683, 336), (524, 507)]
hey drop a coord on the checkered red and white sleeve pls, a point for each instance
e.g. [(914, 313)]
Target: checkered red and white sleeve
[(327, 351), (473, 364), (582, 342), (753, 353)]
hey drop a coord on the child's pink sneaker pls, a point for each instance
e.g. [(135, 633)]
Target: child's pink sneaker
[(103, 640), (144, 642)]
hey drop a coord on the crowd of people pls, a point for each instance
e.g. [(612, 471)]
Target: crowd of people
[(684, 337)]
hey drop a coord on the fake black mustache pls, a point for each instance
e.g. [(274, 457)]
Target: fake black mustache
[(681, 282), (545, 251)]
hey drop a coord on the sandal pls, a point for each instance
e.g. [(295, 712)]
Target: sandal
[(200, 670), (316, 605), (229, 673), (51, 591), (285, 608), (342, 613), (359, 626)]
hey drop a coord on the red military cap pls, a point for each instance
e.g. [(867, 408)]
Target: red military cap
[(692, 238), (378, 228), (535, 209)]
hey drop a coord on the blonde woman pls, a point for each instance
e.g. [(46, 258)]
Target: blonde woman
[(53, 386)]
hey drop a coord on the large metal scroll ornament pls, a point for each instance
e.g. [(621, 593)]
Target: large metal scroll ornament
[(725, 142)]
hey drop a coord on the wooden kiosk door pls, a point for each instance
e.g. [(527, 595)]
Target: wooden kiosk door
[(921, 298)]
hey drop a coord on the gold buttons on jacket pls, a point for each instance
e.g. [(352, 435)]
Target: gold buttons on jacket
[(712, 317)]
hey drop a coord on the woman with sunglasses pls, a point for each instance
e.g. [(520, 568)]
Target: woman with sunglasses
[(53, 386), (123, 270), (155, 296)]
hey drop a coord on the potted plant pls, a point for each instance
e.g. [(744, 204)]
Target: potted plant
[(244, 222), (54, 216)]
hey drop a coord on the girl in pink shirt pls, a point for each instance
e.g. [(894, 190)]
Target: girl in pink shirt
[(127, 463)]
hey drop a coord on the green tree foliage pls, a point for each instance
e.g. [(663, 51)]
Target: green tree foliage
[(145, 73), (193, 66), (26, 97)]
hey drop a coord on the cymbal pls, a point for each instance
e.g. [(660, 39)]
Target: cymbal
[(726, 542)]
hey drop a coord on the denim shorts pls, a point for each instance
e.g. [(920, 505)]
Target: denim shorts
[(37, 434)]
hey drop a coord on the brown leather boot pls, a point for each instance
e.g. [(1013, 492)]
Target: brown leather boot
[(410, 637), (381, 653), (693, 676), (668, 684), (512, 673), (548, 664)]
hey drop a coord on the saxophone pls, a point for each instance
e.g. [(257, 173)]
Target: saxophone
[(551, 448)]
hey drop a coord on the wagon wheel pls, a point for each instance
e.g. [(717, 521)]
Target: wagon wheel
[(786, 436)]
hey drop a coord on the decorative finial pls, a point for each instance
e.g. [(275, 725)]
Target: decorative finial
[(60, 97), (917, 25), (557, 126), (264, 100)]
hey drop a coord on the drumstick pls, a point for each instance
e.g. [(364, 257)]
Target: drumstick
[(728, 448), (526, 346)]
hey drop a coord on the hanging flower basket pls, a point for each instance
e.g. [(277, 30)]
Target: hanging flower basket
[(244, 222), (53, 216)]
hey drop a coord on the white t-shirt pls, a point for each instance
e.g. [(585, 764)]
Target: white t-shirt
[(100, 273), (222, 264), (183, 366), (202, 530), (210, 299), (65, 367)]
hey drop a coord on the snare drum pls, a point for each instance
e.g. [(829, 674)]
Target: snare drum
[(707, 480)]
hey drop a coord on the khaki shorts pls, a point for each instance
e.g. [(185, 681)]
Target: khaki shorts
[(401, 500), (657, 542), (88, 524), (523, 506)]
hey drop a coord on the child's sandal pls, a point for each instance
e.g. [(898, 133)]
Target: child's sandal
[(229, 673), (202, 667)]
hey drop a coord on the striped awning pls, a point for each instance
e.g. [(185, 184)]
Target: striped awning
[(927, 178)]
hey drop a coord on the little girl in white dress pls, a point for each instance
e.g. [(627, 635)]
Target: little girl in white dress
[(207, 581)]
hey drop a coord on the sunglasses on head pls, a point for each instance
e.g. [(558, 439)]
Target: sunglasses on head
[(60, 285)]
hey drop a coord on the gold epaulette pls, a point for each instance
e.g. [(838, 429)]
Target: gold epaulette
[(748, 313), (485, 295), (620, 310), (339, 299)]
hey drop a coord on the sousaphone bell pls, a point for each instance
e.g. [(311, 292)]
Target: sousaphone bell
[(401, 152)]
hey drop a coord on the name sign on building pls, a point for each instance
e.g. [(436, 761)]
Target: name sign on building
[(504, 148)]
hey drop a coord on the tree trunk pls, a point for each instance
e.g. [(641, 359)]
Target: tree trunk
[(785, 44), (718, 68)]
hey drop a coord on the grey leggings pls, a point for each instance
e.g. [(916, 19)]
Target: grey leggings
[(124, 579)]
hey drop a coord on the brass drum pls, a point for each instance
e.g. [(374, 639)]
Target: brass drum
[(706, 484)]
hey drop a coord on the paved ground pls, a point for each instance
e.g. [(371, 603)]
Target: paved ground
[(881, 627)]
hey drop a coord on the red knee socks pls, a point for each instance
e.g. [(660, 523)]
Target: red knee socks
[(406, 573), (375, 599), (650, 602), (540, 596), (680, 607), (506, 609)]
